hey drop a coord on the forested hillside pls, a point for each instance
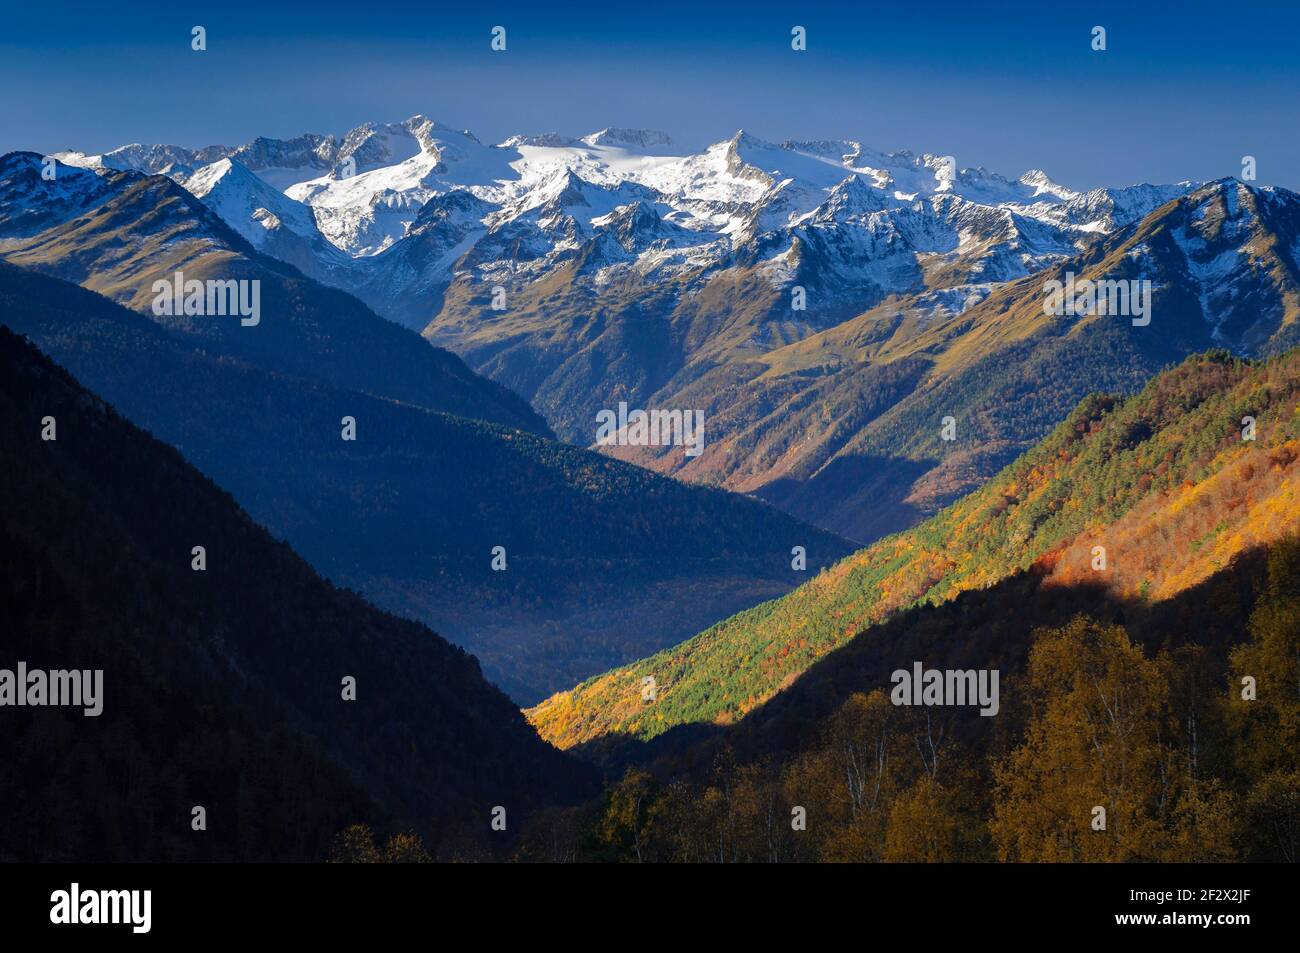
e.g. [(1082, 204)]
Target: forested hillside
[(1164, 481), (409, 512), (1124, 735), (223, 687)]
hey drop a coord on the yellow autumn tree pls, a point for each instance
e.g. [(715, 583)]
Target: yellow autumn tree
[(625, 824), (862, 759), (922, 828), (1263, 708), (1088, 781), (406, 848), (355, 845)]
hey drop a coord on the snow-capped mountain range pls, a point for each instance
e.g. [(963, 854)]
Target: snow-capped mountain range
[(634, 270), (398, 212)]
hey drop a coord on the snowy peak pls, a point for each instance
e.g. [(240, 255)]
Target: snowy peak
[(30, 202), (632, 229), (247, 203), (741, 162), (567, 193), (565, 190), (1229, 216), (1037, 180), (280, 162), (851, 200), (285, 162), (461, 206), (1221, 263), (640, 139), (373, 146), (547, 140), (1105, 210), (840, 151), (158, 160)]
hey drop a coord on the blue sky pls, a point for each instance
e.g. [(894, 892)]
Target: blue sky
[(1182, 93)]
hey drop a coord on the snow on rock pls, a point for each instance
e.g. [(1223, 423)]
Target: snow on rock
[(863, 222)]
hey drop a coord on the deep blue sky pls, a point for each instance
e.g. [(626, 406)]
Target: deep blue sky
[(1178, 94)]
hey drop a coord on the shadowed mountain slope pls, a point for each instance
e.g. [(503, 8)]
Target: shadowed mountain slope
[(222, 688), (604, 560)]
